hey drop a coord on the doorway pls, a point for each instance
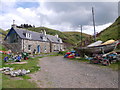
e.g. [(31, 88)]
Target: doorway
[(38, 48)]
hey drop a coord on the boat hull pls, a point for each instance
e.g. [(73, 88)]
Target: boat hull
[(96, 50)]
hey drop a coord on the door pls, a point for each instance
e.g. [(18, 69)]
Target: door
[(38, 48)]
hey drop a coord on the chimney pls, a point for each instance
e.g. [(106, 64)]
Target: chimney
[(44, 32), (41, 31), (13, 25), (56, 35)]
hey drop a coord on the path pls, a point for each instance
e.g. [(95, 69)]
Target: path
[(57, 72)]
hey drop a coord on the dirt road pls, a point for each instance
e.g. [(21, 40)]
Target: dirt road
[(57, 72)]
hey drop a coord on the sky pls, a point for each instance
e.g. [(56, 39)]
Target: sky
[(62, 16)]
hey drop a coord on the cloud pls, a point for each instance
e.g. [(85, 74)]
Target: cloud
[(90, 30), (7, 6), (81, 12), (63, 16)]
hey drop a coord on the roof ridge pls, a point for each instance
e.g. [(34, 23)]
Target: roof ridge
[(27, 30)]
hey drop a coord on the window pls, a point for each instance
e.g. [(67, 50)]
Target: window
[(61, 47), (57, 47), (29, 47), (41, 37), (28, 35), (54, 47), (45, 47)]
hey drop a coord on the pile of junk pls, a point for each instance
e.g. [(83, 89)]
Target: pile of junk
[(71, 54), (12, 72), (101, 53), (104, 59), (9, 56)]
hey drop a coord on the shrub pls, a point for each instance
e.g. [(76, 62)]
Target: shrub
[(62, 52)]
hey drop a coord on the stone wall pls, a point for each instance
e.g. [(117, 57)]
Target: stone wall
[(22, 45), (14, 47), (57, 47), (34, 46)]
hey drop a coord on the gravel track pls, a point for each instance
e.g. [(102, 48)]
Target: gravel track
[(57, 72)]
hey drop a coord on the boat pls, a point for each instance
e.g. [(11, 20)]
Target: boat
[(100, 49)]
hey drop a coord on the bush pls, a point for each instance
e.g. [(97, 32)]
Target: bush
[(62, 52)]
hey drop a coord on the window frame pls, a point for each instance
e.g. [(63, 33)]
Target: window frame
[(29, 47)]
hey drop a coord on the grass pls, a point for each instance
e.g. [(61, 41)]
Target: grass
[(26, 77), (31, 65), (80, 59), (0, 81), (112, 32), (10, 83), (2, 48), (113, 66)]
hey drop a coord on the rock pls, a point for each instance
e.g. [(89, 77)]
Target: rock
[(1, 69), (12, 74), (11, 69), (7, 73), (6, 70), (23, 72), (17, 73), (28, 71)]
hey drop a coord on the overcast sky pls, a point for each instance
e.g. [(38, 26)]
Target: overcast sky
[(63, 16)]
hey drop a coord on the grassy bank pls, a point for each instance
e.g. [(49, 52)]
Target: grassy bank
[(113, 66), (9, 82), (22, 81)]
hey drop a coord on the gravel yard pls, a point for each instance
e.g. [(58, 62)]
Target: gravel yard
[(57, 72)]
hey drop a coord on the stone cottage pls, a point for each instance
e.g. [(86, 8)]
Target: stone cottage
[(22, 40)]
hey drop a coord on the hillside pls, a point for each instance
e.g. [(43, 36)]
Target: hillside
[(69, 38), (2, 33), (76, 36), (112, 32)]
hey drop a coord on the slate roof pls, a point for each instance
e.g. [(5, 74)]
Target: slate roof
[(53, 38), (35, 35)]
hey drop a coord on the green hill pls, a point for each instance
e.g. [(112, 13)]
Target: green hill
[(112, 32), (2, 33), (69, 38), (75, 37)]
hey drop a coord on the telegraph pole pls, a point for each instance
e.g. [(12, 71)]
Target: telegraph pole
[(81, 33), (94, 24)]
